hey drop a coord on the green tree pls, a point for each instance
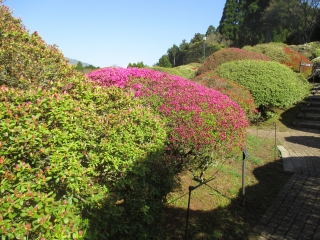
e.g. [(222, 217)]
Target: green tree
[(241, 21), (183, 48), (137, 65), (251, 30), (164, 62), (197, 38), (79, 66), (229, 23), (172, 53), (211, 30), (277, 20)]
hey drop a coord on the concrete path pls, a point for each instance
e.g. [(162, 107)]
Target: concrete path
[(295, 213)]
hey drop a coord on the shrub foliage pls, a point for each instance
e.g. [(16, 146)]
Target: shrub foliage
[(62, 155), (82, 161), (270, 83), (61, 158), (186, 71), (281, 53), (232, 89), (76, 160), (205, 124), (25, 58), (228, 55)]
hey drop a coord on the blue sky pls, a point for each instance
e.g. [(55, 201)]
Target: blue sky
[(106, 33)]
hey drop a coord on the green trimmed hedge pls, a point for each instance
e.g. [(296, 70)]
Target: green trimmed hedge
[(270, 83)]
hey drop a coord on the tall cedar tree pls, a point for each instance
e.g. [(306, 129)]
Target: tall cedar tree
[(252, 31), (230, 20), (241, 21)]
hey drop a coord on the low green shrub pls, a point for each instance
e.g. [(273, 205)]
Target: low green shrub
[(270, 83), (273, 50), (232, 89), (186, 71), (228, 55)]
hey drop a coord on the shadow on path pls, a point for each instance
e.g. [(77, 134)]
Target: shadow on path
[(309, 141), (233, 221), (295, 213)]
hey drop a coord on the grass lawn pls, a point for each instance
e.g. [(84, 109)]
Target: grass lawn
[(216, 208)]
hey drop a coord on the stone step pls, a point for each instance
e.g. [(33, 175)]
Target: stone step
[(309, 116), (306, 124), (314, 98), (311, 103), (310, 109)]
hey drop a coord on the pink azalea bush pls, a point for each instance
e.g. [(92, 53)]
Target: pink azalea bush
[(204, 125)]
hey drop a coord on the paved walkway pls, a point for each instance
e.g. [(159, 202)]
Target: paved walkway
[(295, 213)]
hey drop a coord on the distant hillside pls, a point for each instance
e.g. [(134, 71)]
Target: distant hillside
[(74, 62)]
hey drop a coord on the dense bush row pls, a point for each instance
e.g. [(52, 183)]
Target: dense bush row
[(232, 89), (205, 124), (71, 152), (82, 161), (228, 55), (281, 53), (270, 83)]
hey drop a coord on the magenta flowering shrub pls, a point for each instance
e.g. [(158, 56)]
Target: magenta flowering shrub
[(204, 125)]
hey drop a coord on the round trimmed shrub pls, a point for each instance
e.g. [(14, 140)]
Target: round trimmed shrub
[(281, 53), (270, 83), (232, 89), (228, 55), (66, 159), (205, 125)]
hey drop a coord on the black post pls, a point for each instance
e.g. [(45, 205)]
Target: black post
[(186, 232), (275, 143), (244, 156)]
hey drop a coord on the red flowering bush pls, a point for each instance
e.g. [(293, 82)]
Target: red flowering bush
[(228, 55), (232, 89), (294, 59), (206, 125)]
